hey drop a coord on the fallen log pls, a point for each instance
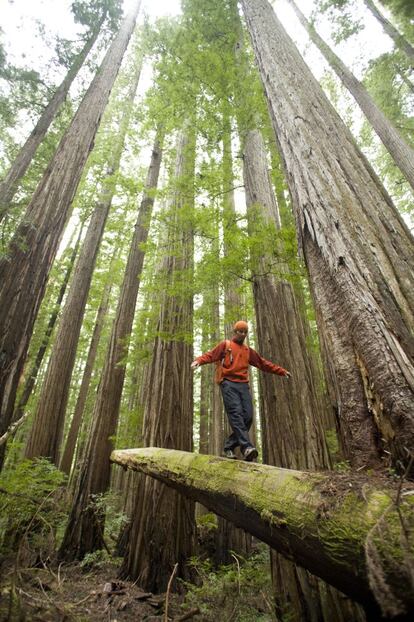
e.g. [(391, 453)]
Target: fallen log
[(355, 536)]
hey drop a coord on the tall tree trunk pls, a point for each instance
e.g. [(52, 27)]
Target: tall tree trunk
[(131, 484), (68, 453), (399, 149), (228, 537), (163, 523), (283, 335), (359, 252), (47, 431), (233, 307), (399, 40), (34, 370), (24, 157), (291, 412), (24, 271), (205, 391), (35, 367), (84, 532)]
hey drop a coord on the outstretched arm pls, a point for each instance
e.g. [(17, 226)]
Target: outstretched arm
[(258, 361), (216, 354)]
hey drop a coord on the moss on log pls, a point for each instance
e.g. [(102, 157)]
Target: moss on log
[(355, 537)]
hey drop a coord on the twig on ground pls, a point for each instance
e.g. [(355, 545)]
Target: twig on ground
[(238, 569), (167, 596), (189, 614)]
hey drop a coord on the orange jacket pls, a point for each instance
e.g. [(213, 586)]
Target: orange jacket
[(242, 357)]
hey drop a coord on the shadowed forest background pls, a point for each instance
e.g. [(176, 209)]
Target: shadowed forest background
[(161, 178)]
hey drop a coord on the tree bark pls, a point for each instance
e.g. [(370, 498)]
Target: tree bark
[(393, 141), (24, 271), (293, 435), (340, 536), (68, 453), (162, 531), (358, 251), (283, 336), (399, 40), (34, 370), (84, 532), (24, 157), (35, 367), (48, 426)]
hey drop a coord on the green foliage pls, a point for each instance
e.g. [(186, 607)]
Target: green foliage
[(31, 508), (207, 521), (341, 14), (241, 591), (97, 559), (109, 504), (404, 8)]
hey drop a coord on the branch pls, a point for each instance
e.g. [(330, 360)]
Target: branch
[(12, 429)]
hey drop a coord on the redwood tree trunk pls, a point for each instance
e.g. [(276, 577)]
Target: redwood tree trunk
[(23, 159), (84, 532), (35, 367), (291, 412), (400, 41), (48, 426), (68, 453), (399, 149), (227, 537), (163, 521), (34, 370), (358, 251), (24, 271)]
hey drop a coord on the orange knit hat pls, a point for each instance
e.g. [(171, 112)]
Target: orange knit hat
[(241, 325)]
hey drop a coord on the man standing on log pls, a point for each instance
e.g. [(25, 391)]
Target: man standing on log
[(233, 359)]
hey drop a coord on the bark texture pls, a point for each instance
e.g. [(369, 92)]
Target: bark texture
[(35, 367), (75, 424), (399, 149), (84, 532), (293, 436), (291, 411), (340, 539), (48, 426), (358, 251), (162, 531), (24, 271)]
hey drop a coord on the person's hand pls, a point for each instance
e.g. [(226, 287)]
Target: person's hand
[(287, 374), (194, 364)]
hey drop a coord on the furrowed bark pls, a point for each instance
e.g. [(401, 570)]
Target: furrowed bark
[(70, 444), (359, 252), (356, 542)]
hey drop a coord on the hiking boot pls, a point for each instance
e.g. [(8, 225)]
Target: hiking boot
[(229, 453), (250, 454)]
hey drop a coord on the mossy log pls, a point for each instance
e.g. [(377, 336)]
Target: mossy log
[(354, 535)]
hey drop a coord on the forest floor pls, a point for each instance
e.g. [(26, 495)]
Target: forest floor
[(71, 594)]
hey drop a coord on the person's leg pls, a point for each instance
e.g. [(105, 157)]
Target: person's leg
[(247, 404), (231, 442), (232, 398)]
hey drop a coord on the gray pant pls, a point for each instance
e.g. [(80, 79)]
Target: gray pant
[(239, 409)]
